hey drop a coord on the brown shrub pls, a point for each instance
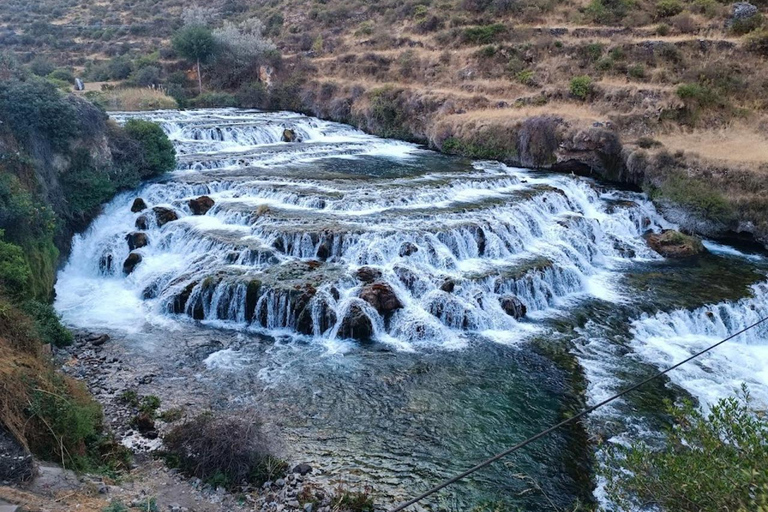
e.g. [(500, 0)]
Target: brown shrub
[(228, 451)]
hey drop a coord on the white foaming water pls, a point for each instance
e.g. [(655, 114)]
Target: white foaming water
[(279, 251), (667, 338)]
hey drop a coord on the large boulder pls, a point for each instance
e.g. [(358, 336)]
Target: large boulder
[(164, 215), (130, 263), (382, 297), (201, 205), (674, 244), (138, 205), (137, 240), (513, 306), (741, 11), (356, 324)]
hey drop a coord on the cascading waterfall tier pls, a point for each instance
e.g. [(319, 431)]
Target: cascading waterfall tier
[(302, 239)]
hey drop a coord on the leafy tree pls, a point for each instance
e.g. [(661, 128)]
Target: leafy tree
[(35, 109), (195, 43), (41, 67), (158, 153), (709, 462), (15, 273), (240, 50)]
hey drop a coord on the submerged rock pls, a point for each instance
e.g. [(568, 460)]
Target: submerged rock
[(448, 285), (137, 240), (356, 324), (129, 265), (513, 306), (201, 205), (138, 205), (674, 244), (382, 297), (303, 469), (407, 249)]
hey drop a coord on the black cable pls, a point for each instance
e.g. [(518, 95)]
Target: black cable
[(548, 431)]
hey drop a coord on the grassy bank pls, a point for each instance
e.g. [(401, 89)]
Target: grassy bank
[(60, 160)]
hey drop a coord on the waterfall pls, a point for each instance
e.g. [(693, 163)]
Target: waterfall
[(344, 234), (666, 338)]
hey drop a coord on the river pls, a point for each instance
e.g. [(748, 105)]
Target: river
[(266, 287)]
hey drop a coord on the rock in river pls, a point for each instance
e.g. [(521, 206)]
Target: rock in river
[(356, 324), (130, 263), (674, 244), (382, 297), (138, 205), (201, 205), (513, 306), (137, 240)]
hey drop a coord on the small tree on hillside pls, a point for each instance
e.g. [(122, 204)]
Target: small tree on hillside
[(195, 43), (240, 49)]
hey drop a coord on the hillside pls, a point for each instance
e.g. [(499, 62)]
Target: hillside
[(669, 96)]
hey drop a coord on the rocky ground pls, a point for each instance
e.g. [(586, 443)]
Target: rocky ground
[(110, 371)]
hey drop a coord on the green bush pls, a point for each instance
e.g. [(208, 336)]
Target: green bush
[(62, 74), (157, 155), (697, 94), (667, 8), (758, 42), (35, 109), (485, 34), (636, 71), (85, 187), (41, 67), (581, 87), (48, 324), (699, 196), (607, 12), (15, 273), (747, 25), (713, 461), (214, 100)]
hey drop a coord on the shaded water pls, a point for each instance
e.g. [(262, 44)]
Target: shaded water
[(448, 377)]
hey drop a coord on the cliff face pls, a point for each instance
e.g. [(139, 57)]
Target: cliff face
[(708, 197)]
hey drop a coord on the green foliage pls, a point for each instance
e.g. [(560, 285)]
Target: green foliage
[(85, 187), (41, 67), (699, 196), (15, 274), (214, 100), (63, 74), (581, 87), (115, 506), (485, 34), (157, 153), (48, 324), (593, 51), (353, 501), (713, 461), (667, 8), (73, 423), (149, 404), (697, 95), (747, 25), (36, 110), (636, 71), (130, 397), (194, 43), (526, 77), (484, 146), (758, 42), (389, 119), (606, 12)]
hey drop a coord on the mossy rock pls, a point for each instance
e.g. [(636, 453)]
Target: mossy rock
[(674, 244)]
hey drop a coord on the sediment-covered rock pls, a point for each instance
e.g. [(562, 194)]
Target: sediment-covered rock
[(368, 274), (290, 135), (673, 244), (164, 215)]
